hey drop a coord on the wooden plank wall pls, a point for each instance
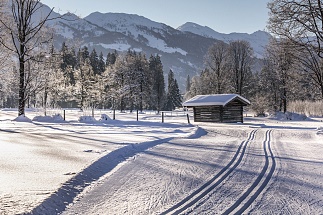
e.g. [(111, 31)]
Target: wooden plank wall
[(233, 112), (207, 114)]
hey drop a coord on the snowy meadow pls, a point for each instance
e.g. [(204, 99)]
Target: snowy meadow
[(266, 165)]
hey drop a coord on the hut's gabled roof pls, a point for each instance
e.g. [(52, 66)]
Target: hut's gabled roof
[(215, 99)]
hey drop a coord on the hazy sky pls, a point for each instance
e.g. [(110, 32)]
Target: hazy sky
[(225, 16)]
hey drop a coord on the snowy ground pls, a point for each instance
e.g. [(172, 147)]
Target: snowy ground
[(264, 166)]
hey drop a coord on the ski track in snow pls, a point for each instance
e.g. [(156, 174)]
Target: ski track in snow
[(259, 184), (214, 182), (246, 198)]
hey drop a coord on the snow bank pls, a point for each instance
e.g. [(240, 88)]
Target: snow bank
[(289, 116), (197, 133), (105, 117), (87, 119), (54, 118), (22, 118)]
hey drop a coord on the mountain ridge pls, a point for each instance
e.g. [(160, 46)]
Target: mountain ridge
[(182, 50)]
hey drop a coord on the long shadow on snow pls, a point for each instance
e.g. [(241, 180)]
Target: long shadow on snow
[(65, 195)]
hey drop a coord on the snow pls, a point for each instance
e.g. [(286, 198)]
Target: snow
[(214, 99), (87, 119), (105, 117), (162, 46), (258, 40), (135, 26), (54, 118), (116, 46), (123, 20), (263, 166), (22, 118), (65, 32), (289, 116)]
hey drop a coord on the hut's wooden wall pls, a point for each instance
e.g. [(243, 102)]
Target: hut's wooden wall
[(232, 112), (207, 114)]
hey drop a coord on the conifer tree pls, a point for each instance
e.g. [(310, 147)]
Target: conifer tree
[(85, 81), (111, 58), (158, 82), (188, 83), (68, 63), (101, 64), (173, 94), (94, 62)]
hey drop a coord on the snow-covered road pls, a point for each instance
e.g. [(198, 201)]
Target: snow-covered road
[(261, 167), (231, 169)]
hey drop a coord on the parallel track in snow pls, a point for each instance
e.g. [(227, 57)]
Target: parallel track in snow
[(249, 196), (215, 181)]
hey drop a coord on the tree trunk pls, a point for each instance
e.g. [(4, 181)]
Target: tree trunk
[(21, 102), (285, 101)]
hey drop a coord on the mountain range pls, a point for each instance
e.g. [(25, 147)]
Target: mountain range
[(182, 49)]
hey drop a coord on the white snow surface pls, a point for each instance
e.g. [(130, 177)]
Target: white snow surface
[(124, 166), (213, 99)]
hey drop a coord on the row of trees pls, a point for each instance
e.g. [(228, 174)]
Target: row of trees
[(228, 69), (22, 36), (292, 68), (289, 73), (33, 73), (84, 79)]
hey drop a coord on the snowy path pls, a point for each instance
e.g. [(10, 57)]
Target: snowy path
[(127, 167), (215, 181), (44, 165), (228, 171)]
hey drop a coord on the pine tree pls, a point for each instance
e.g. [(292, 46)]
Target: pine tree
[(158, 83), (94, 62), (111, 58), (101, 64), (188, 83), (68, 63), (143, 80), (174, 98), (85, 92)]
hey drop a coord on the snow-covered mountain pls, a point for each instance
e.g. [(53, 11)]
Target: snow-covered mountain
[(181, 50), (258, 40), (138, 28)]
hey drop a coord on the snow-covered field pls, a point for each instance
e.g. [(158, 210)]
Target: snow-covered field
[(263, 166)]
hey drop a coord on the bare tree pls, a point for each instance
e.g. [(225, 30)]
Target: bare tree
[(24, 25), (216, 61), (240, 59), (280, 54), (312, 66), (300, 21)]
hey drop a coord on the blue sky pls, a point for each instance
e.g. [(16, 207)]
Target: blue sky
[(225, 16)]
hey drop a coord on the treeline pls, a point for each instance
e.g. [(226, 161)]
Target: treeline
[(86, 79), (289, 73)]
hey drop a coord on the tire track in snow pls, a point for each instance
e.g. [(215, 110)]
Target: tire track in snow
[(215, 181), (248, 197)]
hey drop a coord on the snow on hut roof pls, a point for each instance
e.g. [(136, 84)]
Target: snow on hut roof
[(215, 99)]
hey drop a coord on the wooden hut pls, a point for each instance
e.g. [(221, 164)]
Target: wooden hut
[(217, 107)]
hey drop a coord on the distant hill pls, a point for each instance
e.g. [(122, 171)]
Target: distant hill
[(181, 50)]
